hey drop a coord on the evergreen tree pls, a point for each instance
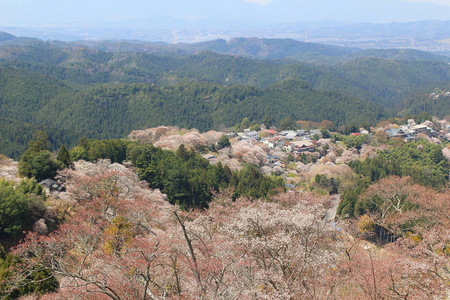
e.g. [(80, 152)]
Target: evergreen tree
[(40, 142), (245, 123), (64, 157), (267, 121), (325, 133), (287, 124), (223, 142)]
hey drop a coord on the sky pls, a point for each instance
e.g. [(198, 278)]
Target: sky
[(26, 13)]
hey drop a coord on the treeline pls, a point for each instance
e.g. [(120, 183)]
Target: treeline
[(421, 160), (113, 111)]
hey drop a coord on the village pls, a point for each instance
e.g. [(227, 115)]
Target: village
[(301, 144)]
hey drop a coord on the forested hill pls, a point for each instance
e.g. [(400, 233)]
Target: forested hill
[(380, 80), (432, 98), (6, 36), (114, 110)]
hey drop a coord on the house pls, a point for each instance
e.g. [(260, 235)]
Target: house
[(302, 149), (250, 135), (51, 185), (290, 135), (363, 131), (316, 131), (411, 122), (286, 132), (288, 147), (423, 129), (302, 132), (269, 132), (303, 143), (229, 133), (396, 132), (271, 159), (289, 186), (280, 164), (272, 143)]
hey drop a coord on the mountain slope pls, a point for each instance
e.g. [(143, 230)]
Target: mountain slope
[(381, 80), (29, 100)]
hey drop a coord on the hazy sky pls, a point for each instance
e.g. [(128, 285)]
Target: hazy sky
[(50, 12)]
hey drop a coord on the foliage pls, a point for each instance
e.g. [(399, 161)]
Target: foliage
[(348, 207), (201, 254), (422, 161), (218, 90), (350, 141), (365, 224), (39, 166), (198, 96), (64, 157), (287, 124), (267, 121), (325, 133), (187, 178), (329, 184), (36, 281), (223, 142), (37, 162), (283, 248), (20, 206), (426, 101)]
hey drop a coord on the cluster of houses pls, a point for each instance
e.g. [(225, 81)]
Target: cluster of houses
[(301, 141), (295, 142), (412, 131), (436, 96)]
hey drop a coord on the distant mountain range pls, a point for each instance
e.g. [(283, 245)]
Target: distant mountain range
[(266, 49)]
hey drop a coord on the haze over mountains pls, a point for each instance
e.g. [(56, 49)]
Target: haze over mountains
[(216, 12), (364, 24)]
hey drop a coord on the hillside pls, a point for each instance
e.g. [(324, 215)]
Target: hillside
[(4, 36), (432, 98), (114, 110), (381, 80)]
